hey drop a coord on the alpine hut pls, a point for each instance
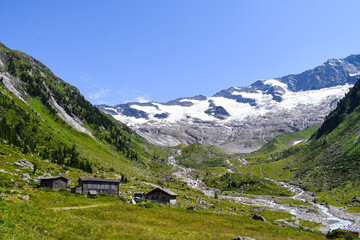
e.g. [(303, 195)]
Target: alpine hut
[(94, 186), (161, 195)]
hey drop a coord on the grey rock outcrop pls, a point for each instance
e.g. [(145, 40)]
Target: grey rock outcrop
[(25, 197), (258, 217), (18, 165), (25, 177), (27, 163), (243, 238)]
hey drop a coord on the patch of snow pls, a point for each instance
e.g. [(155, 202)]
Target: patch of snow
[(274, 82), (354, 74)]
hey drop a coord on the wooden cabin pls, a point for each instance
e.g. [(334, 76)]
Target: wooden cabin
[(161, 195), (94, 186), (54, 183)]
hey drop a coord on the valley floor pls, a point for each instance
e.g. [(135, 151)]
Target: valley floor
[(301, 205)]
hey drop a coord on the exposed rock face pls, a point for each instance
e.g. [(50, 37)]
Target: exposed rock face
[(243, 119)]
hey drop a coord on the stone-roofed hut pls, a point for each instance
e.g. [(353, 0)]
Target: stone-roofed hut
[(94, 186), (161, 195), (54, 183)]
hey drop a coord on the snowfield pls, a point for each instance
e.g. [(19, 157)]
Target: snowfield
[(264, 103)]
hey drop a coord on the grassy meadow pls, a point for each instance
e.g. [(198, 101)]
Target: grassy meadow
[(45, 216)]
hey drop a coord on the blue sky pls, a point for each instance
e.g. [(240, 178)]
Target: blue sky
[(119, 51)]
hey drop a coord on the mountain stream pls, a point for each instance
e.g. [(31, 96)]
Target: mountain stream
[(330, 217)]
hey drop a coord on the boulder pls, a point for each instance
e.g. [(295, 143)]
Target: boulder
[(26, 163), (25, 197), (18, 164), (243, 238), (3, 171), (197, 207), (25, 177), (258, 217)]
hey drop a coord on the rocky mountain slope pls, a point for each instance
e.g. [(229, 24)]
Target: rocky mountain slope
[(242, 119)]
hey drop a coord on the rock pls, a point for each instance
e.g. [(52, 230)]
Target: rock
[(17, 170), (25, 177), (18, 164), (243, 238), (132, 187), (25, 197), (3, 171), (2, 195), (14, 191), (258, 217), (356, 199), (197, 207), (26, 163)]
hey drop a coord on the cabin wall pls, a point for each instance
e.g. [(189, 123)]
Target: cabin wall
[(58, 184), (111, 188), (53, 184)]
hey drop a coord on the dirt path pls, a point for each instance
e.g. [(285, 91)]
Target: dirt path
[(81, 207)]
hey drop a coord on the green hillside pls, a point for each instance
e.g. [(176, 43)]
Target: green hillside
[(282, 142), (37, 128)]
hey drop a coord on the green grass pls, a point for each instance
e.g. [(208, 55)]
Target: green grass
[(35, 219), (245, 183), (312, 225), (282, 142), (202, 157)]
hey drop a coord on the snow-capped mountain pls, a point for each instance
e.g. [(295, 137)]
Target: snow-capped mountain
[(242, 119)]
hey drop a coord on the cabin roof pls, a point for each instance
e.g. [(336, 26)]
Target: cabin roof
[(53, 178), (83, 179), (167, 191)]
